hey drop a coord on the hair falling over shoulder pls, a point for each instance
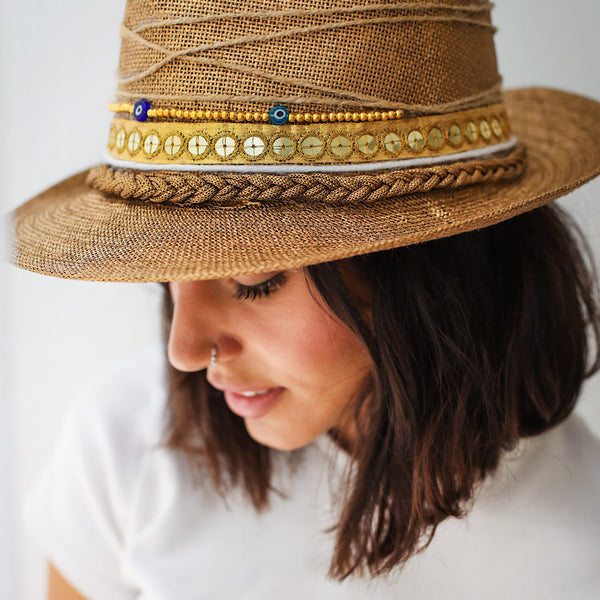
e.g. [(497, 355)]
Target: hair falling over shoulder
[(476, 341)]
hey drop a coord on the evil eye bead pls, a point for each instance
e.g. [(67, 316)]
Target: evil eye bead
[(140, 109), (278, 115)]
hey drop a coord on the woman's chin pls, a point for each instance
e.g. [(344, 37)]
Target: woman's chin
[(276, 438)]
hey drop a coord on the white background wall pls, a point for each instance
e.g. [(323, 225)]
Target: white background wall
[(57, 64)]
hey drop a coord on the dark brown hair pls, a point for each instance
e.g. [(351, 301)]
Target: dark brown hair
[(476, 341)]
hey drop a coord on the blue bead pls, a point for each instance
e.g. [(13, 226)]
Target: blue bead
[(278, 115), (140, 109)]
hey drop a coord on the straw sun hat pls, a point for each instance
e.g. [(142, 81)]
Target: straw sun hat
[(250, 136)]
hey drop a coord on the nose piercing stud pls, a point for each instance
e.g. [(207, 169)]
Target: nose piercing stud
[(213, 356)]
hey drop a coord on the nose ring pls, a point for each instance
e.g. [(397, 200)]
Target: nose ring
[(213, 356)]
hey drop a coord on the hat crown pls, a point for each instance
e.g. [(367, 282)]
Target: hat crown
[(425, 57)]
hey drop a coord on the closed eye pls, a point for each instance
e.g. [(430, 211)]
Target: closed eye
[(260, 290)]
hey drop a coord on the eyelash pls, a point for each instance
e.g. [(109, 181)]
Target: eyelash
[(260, 290)]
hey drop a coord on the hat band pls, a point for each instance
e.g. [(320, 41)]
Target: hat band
[(235, 189), (163, 144)]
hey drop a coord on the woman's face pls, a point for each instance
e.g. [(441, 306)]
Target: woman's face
[(290, 369)]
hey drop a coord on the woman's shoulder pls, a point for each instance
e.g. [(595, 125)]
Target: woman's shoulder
[(79, 507), (128, 399), (560, 466), (116, 424), (549, 481), (532, 531), (540, 509)]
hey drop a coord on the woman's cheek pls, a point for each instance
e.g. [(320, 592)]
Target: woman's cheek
[(321, 348)]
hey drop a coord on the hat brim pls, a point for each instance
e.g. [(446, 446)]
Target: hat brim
[(75, 232)]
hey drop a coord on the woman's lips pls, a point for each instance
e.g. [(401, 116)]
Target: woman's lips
[(253, 407)]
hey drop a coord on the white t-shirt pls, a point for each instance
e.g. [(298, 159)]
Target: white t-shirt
[(121, 517)]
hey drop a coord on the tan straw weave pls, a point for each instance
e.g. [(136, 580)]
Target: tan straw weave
[(386, 58), (160, 214)]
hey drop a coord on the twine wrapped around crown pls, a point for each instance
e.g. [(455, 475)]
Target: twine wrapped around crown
[(435, 56)]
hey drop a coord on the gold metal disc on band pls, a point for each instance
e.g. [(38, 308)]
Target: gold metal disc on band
[(214, 143)]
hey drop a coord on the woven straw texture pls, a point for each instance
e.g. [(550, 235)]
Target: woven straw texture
[(320, 55), (76, 232)]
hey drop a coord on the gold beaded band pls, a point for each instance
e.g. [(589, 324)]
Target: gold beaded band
[(167, 143), (257, 117)]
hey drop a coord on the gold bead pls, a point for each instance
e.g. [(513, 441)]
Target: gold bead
[(355, 117), (201, 114), (232, 116), (391, 114), (224, 115), (240, 116), (348, 116), (186, 114), (384, 116), (130, 108), (377, 115), (340, 116), (193, 114), (332, 117), (152, 112), (363, 116), (324, 117), (214, 115), (256, 116), (265, 117), (299, 118), (248, 116), (307, 117), (179, 114), (399, 114), (316, 118), (370, 117), (291, 118)]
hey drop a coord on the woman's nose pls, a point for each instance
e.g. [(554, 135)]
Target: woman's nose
[(200, 327)]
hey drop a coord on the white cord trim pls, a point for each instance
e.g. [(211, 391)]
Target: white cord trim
[(285, 169)]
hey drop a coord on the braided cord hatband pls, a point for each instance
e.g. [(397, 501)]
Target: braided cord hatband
[(234, 189)]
